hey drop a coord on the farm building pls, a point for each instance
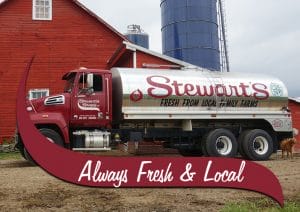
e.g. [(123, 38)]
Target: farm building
[(294, 105), (63, 35)]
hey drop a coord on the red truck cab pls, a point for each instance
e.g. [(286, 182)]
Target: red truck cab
[(85, 104), (90, 98)]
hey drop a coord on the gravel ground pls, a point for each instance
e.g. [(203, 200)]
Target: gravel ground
[(27, 188)]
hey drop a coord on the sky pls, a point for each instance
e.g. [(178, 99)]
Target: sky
[(263, 36)]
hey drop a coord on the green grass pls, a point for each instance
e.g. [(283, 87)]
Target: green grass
[(10, 156), (265, 204)]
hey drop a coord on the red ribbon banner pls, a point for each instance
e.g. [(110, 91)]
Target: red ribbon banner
[(97, 171)]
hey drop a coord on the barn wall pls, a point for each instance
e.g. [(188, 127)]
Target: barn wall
[(72, 39), (295, 109), (148, 59), (126, 60)]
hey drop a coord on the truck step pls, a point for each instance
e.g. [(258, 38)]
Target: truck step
[(92, 149)]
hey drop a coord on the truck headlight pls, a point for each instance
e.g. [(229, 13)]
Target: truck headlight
[(29, 108)]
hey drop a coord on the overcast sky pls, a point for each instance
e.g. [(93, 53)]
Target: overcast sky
[(263, 35)]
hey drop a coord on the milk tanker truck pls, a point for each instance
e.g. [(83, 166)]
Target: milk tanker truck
[(192, 110)]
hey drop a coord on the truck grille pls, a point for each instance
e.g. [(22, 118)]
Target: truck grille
[(55, 100)]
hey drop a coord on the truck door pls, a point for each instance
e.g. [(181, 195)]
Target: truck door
[(90, 102)]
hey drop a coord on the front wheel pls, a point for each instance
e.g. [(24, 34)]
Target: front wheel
[(220, 143), (28, 157), (52, 136), (257, 145)]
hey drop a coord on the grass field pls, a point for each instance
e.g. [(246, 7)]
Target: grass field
[(267, 205), (10, 156)]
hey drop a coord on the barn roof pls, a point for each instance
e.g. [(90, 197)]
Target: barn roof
[(295, 99), (91, 13), (130, 47), (134, 47)]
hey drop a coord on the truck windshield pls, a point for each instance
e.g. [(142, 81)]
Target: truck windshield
[(69, 84)]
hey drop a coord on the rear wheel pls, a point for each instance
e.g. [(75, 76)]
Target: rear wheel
[(257, 145), (240, 143), (203, 145), (221, 143)]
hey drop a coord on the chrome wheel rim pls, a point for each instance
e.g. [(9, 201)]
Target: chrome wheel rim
[(260, 145), (224, 145)]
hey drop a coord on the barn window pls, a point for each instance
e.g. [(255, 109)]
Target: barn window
[(42, 9), (38, 93)]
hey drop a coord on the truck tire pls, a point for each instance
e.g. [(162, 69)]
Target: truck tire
[(28, 157), (20, 146), (221, 143), (203, 145), (52, 136), (240, 144), (257, 145)]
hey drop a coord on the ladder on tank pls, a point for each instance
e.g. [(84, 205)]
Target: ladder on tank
[(216, 81), (224, 58)]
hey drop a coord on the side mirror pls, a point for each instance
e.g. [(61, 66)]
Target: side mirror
[(90, 81)]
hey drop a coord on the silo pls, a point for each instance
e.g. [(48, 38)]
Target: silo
[(190, 31), (137, 36)]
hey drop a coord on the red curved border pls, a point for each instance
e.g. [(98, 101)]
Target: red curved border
[(68, 165)]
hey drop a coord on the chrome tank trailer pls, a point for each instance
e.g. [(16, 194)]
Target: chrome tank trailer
[(193, 94)]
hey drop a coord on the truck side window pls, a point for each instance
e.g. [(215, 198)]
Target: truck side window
[(98, 84)]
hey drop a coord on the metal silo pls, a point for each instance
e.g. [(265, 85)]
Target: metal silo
[(137, 36), (190, 31)]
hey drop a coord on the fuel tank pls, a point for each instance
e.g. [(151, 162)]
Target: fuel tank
[(189, 93)]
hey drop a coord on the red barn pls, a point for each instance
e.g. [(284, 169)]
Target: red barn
[(294, 105), (63, 35)]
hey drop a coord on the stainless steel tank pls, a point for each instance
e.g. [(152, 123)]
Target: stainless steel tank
[(195, 94)]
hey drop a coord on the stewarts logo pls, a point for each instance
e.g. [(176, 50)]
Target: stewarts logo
[(88, 104), (276, 89), (136, 95)]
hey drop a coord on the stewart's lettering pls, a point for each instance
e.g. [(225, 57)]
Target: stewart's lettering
[(157, 86), (162, 87), (260, 91)]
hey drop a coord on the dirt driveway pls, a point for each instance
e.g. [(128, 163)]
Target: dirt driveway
[(28, 188)]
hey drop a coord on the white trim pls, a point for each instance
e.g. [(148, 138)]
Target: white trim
[(156, 114), (134, 59), (295, 99), (133, 47), (92, 149), (42, 90), (107, 93), (49, 18)]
